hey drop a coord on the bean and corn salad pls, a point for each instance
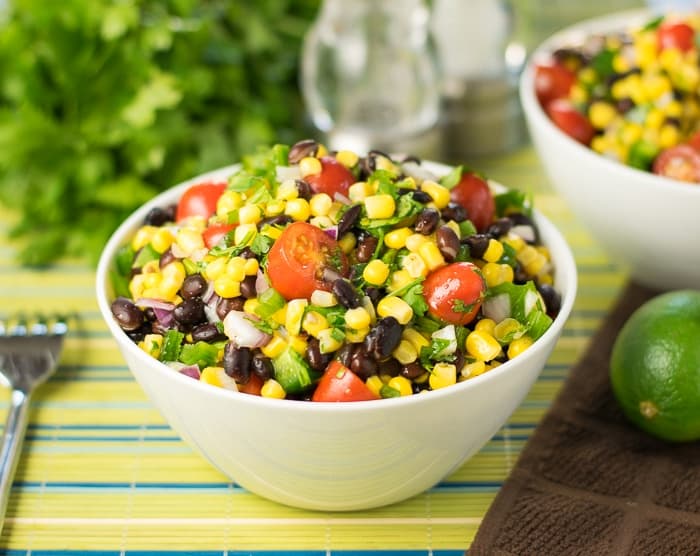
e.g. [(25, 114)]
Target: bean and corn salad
[(632, 96), (328, 276)]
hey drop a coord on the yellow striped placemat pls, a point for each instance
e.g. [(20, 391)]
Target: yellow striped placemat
[(102, 473)]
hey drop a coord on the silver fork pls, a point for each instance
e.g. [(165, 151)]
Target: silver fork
[(29, 350)]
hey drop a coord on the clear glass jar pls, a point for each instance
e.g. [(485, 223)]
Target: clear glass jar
[(369, 75)]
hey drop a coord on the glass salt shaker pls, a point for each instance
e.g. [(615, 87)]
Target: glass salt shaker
[(369, 75)]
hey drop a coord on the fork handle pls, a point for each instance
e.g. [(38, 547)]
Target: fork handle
[(12, 438)]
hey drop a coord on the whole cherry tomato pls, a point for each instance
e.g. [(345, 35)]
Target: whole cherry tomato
[(454, 293), (334, 178), (552, 81), (340, 384), (675, 34), (213, 234), (681, 162), (200, 200), (296, 260), (565, 116), (473, 193)]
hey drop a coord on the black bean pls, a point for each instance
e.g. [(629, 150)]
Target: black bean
[(347, 221), (460, 360), (193, 286), (158, 216), (190, 311), (411, 158), (248, 289), (454, 211), (317, 360), (383, 338), (375, 294), (477, 243), (261, 365), (362, 364), (229, 304), (304, 189), (302, 149), (237, 362), (278, 220), (500, 227), (166, 258), (366, 247), (390, 367), (411, 370), (346, 293), (344, 354), (140, 333), (207, 332), (426, 221), (447, 242), (128, 316), (519, 275), (421, 196), (551, 297), (247, 253)]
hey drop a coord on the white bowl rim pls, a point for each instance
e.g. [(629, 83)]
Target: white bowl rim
[(567, 36), (136, 218)]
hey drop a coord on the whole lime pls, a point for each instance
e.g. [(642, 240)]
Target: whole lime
[(655, 366)]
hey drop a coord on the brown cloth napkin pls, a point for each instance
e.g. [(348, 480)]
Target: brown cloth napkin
[(589, 483)]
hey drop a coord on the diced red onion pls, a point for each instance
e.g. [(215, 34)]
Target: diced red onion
[(341, 198), (446, 333), (209, 293), (331, 232), (210, 311), (525, 231), (531, 299), (165, 317), (191, 371), (242, 332), (178, 251), (417, 171), (284, 173), (154, 303), (261, 284), (497, 307)]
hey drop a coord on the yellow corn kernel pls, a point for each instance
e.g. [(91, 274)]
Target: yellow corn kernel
[(368, 306), (396, 307), (578, 94), (380, 206), (287, 191), (355, 336), (374, 383), (508, 327), (414, 241), (295, 312), (323, 298), (471, 370), (601, 114), (174, 270), (396, 239), (668, 136), (401, 384), (439, 194), (322, 222), (655, 118), (399, 279), (587, 75), (347, 158), (455, 228), (228, 202), (235, 268), (274, 347), (631, 133), (327, 343), (216, 376), (298, 209), (656, 85), (405, 352), (313, 323), (482, 346), (250, 306), (162, 239), (169, 289), (272, 231), (430, 253), (414, 264), (526, 255), (280, 315), (152, 344), (215, 268), (275, 207), (249, 214), (674, 109), (415, 338), (485, 325), (347, 242), (309, 166), (272, 389), (226, 287), (443, 374), (251, 267), (621, 64), (321, 151), (536, 266), (494, 251), (137, 286), (376, 272), (384, 163), (515, 241), (298, 344), (151, 267), (357, 318), (143, 237), (359, 191), (320, 204), (670, 58), (244, 233), (519, 345), (189, 240), (495, 274)]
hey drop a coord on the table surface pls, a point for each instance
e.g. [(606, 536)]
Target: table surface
[(102, 473)]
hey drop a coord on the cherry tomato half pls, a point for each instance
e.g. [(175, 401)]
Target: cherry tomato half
[(675, 34), (200, 200), (298, 257), (552, 81), (565, 116), (681, 162), (253, 386), (454, 292), (340, 384), (473, 193), (334, 178), (694, 141), (213, 234)]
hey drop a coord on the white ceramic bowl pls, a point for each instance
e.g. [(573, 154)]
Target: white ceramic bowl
[(328, 456), (647, 223)]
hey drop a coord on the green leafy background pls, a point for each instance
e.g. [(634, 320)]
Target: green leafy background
[(104, 103)]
